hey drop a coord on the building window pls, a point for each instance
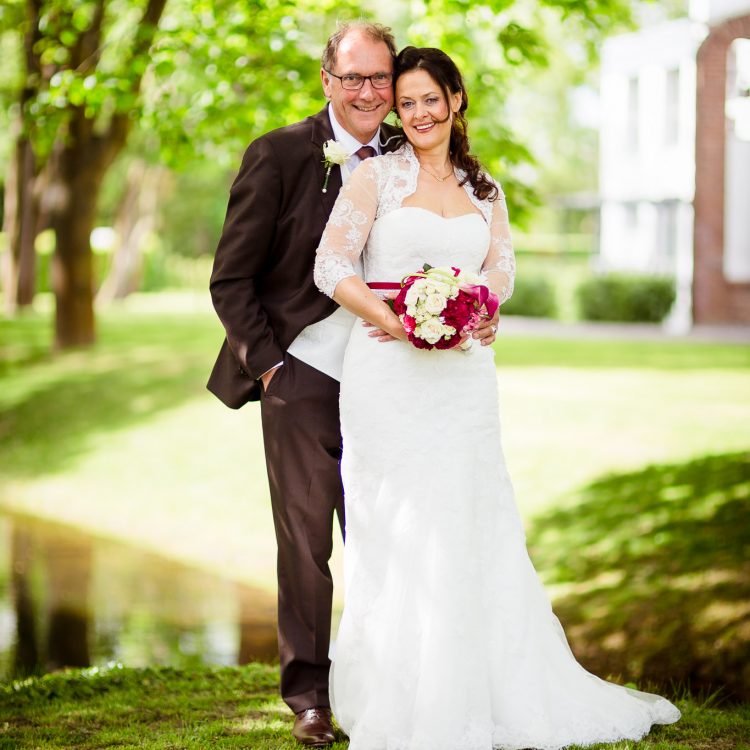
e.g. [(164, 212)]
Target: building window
[(667, 229), (672, 107), (632, 114)]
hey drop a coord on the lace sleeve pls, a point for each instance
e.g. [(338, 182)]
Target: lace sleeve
[(348, 228), (500, 264)]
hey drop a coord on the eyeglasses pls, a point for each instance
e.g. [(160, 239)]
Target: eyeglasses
[(354, 81)]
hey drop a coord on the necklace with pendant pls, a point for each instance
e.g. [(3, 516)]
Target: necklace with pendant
[(436, 176)]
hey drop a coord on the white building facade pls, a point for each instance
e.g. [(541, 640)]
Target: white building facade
[(647, 153)]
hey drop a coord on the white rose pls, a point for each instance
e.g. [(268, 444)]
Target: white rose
[(412, 296), (435, 303), (445, 288), (432, 331), (334, 153)]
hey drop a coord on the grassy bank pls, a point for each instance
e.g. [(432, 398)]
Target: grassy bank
[(160, 709), (651, 574)]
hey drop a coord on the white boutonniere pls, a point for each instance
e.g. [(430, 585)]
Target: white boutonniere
[(333, 153)]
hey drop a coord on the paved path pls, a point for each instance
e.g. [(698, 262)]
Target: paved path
[(516, 325)]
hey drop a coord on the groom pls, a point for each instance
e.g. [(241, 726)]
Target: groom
[(285, 341)]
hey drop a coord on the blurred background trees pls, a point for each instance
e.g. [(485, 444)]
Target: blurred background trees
[(133, 114)]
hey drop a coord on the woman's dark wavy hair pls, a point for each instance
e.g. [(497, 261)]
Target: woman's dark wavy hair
[(445, 73)]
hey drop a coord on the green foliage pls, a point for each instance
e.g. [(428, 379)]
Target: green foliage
[(192, 209), (533, 296), (88, 58), (217, 73), (223, 72), (626, 298)]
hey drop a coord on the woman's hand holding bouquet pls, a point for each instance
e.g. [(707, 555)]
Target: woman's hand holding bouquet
[(439, 306)]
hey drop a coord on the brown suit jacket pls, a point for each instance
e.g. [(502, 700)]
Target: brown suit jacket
[(262, 280)]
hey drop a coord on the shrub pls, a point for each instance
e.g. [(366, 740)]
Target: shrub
[(533, 296), (626, 298)]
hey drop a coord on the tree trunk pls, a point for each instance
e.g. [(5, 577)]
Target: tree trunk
[(73, 192), (21, 215), (136, 218), (21, 223), (83, 152)]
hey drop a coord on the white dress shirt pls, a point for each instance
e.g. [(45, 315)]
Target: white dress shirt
[(322, 344)]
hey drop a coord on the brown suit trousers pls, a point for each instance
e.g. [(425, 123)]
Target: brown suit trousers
[(302, 442)]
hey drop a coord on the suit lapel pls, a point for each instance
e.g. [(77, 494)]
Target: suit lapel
[(322, 132)]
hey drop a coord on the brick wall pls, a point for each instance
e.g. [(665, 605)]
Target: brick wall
[(715, 300)]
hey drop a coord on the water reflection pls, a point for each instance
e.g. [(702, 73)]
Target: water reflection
[(68, 599)]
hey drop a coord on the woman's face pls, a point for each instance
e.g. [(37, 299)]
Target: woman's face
[(424, 111)]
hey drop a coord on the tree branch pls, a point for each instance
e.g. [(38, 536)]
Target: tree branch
[(119, 127)]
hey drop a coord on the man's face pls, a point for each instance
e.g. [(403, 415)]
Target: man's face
[(360, 112)]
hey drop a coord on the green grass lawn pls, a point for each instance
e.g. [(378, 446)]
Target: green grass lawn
[(163, 709), (629, 461)]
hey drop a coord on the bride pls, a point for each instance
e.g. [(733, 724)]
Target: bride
[(447, 640)]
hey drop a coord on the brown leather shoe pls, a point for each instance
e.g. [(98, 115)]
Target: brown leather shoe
[(313, 727)]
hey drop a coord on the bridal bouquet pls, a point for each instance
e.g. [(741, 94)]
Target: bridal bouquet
[(438, 304)]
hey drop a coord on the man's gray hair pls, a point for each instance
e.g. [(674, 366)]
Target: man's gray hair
[(376, 31)]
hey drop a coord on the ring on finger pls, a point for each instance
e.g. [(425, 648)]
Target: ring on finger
[(494, 328)]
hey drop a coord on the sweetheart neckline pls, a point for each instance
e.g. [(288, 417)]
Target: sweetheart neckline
[(439, 216)]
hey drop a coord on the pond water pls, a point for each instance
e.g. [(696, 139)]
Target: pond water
[(70, 599)]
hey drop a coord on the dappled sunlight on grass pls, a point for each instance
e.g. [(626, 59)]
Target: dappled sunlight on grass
[(249, 724), (656, 573), (58, 409)]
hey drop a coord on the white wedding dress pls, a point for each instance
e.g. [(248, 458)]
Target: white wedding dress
[(447, 640)]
